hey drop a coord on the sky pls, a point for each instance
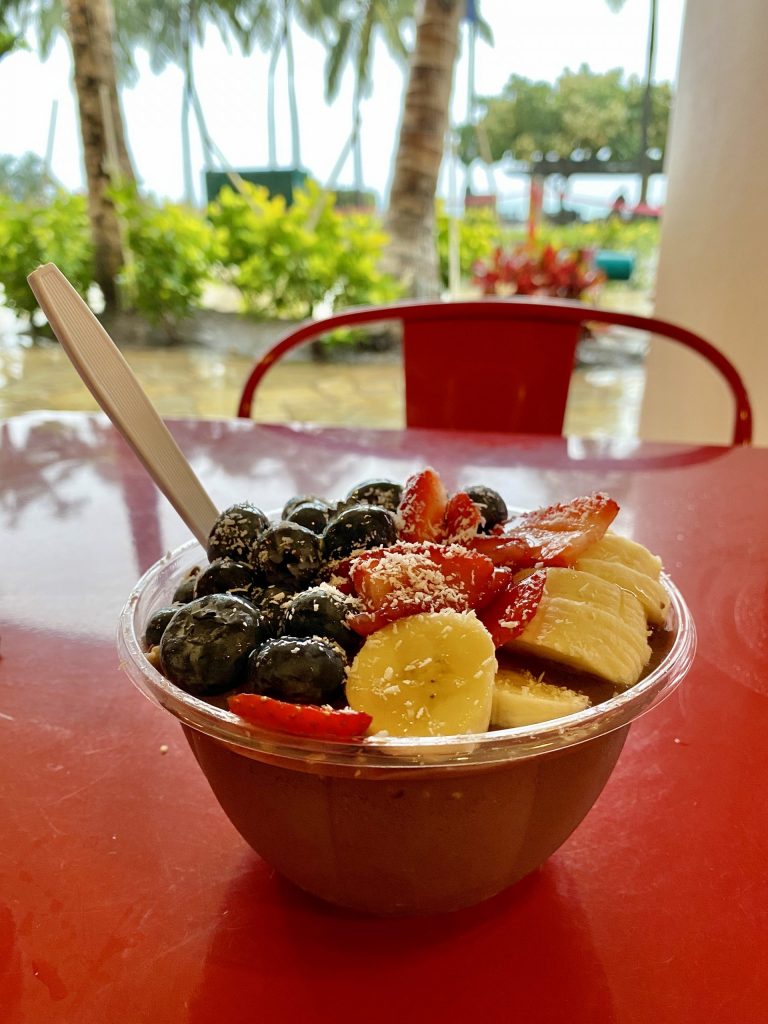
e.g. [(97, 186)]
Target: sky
[(538, 40)]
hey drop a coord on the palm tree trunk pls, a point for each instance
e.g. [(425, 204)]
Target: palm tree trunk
[(89, 28), (271, 116), (647, 97), (410, 220), (197, 107), (186, 148), (357, 143), (294, 107), (187, 105)]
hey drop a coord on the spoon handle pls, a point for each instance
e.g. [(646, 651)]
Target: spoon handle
[(113, 384)]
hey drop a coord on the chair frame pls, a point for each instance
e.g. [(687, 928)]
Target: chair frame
[(548, 313)]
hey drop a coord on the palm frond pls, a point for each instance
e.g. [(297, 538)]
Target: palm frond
[(391, 19), (50, 20), (364, 36), (336, 59)]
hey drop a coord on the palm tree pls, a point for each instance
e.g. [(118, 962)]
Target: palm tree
[(350, 30), (88, 27), (9, 39), (410, 218), (88, 24), (282, 42), (273, 29), (645, 120), (170, 30)]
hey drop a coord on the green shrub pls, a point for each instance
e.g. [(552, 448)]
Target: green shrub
[(479, 234), (172, 251), (31, 234), (640, 237), (286, 260)]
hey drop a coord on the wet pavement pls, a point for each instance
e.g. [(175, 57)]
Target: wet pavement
[(202, 380)]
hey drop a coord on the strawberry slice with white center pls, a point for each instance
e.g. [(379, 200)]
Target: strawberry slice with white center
[(513, 607), (555, 535), (409, 578), (421, 511), (462, 518)]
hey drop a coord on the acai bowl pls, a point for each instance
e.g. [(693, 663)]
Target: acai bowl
[(412, 814)]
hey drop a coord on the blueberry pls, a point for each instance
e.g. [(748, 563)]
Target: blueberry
[(312, 514), (322, 612), (491, 505), (288, 555), (342, 506), (300, 499), (297, 669), (185, 591), (156, 625), (384, 493), (272, 602), (235, 532), (225, 576), (205, 646), (358, 528)]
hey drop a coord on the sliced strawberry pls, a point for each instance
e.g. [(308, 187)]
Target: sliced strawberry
[(410, 578), (512, 608), (462, 518), (337, 574), (300, 719), (503, 550), (422, 507), (555, 535), (365, 623), (562, 532), (501, 579), (591, 514)]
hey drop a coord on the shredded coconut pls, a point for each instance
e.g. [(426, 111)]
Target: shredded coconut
[(410, 581)]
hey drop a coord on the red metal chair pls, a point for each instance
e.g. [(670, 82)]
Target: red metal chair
[(496, 364)]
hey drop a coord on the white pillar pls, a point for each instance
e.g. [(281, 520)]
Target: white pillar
[(713, 263)]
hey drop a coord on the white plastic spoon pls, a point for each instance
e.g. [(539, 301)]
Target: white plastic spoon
[(113, 384)]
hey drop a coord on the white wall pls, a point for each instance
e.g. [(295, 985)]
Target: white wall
[(713, 266)]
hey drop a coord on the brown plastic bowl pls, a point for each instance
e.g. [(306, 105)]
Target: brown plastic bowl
[(400, 826)]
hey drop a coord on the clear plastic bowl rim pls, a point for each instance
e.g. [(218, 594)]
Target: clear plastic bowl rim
[(156, 586)]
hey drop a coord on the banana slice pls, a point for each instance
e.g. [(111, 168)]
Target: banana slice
[(613, 548), (519, 698), (426, 675), (631, 566), (590, 624), (649, 592)]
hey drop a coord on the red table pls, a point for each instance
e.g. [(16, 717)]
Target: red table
[(126, 895)]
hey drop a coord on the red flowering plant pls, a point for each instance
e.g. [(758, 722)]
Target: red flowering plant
[(529, 270)]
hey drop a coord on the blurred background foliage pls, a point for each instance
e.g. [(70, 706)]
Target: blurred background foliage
[(291, 260), (283, 262)]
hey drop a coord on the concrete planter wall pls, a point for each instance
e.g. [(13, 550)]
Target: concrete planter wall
[(208, 328), (241, 335)]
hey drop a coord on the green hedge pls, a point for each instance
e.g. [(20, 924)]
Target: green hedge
[(30, 235), (286, 262)]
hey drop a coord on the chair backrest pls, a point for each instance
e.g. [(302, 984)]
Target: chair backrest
[(496, 364)]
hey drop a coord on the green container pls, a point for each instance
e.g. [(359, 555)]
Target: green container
[(278, 183), (617, 266)]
